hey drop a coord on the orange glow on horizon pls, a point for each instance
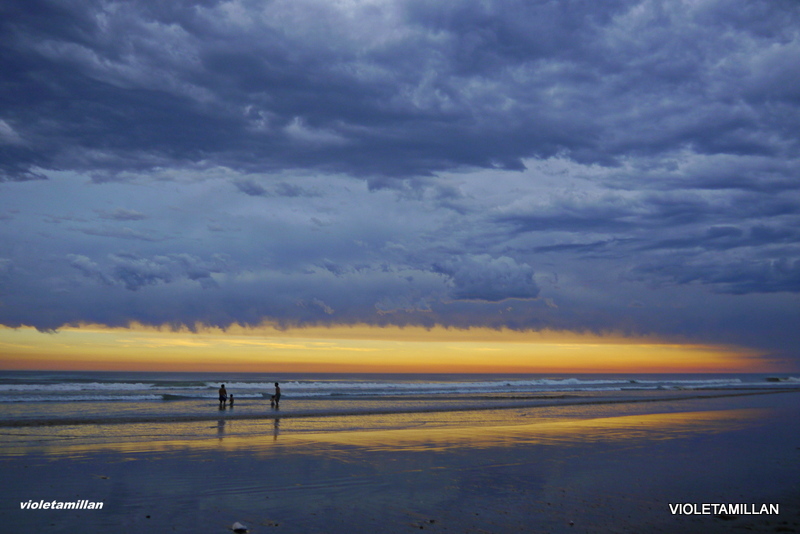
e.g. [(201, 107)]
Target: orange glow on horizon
[(361, 348)]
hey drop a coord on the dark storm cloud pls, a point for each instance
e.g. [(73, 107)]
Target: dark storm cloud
[(570, 221), (491, 279), (765, 276), (393, 89), (121, 214), (729, 237), (628, 165), (121, 233), (134, 272), (250, 187)]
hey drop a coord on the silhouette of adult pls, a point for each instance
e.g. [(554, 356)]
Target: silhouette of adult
[(223, 396)]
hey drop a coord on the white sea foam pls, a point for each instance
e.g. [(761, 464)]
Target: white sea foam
[(711, 382), (54, 398), (75, 386), (77, 398), (486, 386)]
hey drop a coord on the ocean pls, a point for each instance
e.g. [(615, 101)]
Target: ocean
[(388, 453), (39, 398)]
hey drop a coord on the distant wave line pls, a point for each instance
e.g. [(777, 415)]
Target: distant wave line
[(325, 385)]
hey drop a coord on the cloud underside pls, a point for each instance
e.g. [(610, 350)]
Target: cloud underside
[(627, 166), (393, 89)]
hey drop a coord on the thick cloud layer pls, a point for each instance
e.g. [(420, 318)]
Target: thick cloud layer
[(391, 89), (623, 165)]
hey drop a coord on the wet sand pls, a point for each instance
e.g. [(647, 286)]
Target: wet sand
[(600, 468)]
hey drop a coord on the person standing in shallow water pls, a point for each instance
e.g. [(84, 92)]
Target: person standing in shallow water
[(223, 396), (277, 396)]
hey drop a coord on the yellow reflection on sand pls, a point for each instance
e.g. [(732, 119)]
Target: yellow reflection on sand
[(553, 432), (629, 429)]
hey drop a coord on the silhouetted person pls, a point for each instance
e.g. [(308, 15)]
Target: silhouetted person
[(223, 396), (277, 396), (230, 400)]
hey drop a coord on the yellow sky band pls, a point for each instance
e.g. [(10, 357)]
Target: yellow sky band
[(361, 348)]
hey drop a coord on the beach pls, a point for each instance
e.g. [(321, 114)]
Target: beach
[(390, 266), (580, 467)]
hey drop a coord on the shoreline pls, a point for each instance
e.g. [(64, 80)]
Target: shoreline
[(569, 469), (510, 403)]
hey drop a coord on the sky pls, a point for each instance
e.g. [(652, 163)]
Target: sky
[(400, 184)]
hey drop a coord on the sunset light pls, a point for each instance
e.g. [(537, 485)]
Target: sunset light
[(360, 349), (383, 266)]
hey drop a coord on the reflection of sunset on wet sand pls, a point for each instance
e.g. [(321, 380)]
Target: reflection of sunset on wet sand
[(517, 266), (622, 429), (447, 430), (561, 469)]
